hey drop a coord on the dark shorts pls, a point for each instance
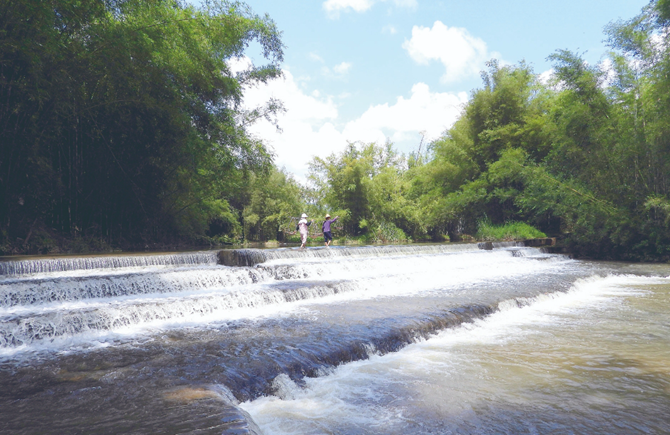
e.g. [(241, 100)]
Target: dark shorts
[(327, 235)]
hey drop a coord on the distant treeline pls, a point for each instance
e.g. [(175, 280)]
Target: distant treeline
[(584, 156), (122, 126)]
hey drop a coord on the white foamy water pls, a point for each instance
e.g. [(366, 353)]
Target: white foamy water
[(401, 340), (568, 362), (56, 312), (95, 264)]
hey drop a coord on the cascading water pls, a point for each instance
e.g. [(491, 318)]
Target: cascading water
[(64, 264), (452, 338)]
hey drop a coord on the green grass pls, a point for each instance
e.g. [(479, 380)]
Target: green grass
[(508, 231)]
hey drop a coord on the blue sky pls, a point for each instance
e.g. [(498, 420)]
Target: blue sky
[(372, 70)]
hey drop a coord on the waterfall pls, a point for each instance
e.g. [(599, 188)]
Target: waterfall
[(45, 265), (338, 340), (40, 306)]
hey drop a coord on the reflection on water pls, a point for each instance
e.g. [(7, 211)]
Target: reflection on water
[(414, 339)]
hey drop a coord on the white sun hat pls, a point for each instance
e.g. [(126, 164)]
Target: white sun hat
[(303, 215)]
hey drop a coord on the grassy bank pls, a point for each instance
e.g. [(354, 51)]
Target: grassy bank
[(507, 232)]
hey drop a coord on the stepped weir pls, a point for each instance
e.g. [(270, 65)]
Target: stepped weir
[(339, 339)]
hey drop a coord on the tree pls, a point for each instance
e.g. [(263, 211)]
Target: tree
[(274, 200), (122, 119), (367, 182)]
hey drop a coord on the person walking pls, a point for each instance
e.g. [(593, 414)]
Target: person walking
[(303, 228), (327, 234)]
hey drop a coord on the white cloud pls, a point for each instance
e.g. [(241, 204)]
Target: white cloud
[(334, 7), (424, 111), (342, 68), (239, 64), (312, 125), (658, 41), (462, 54), (299, 106), (337, 72), (316, 57), (389, 29), (606, 67), (546, 77), (306, 125)]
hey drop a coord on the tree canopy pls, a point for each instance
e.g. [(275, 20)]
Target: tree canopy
[(122, 121), (585, 156)]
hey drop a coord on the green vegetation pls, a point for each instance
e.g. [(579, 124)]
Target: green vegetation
[(122, 127), (122, 123), (507, 232), (585, 157)]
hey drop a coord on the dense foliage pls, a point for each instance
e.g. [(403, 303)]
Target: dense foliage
[(585, 157), (366, 187), (121, 119), (121, 122)]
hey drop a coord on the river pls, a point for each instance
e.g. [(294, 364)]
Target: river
[(407, 339)]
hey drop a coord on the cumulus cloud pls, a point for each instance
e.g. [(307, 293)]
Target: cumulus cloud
[(546, 77), (424, 111), (306, 125), (334, 7), (462, 54), (312, 125), (609, 73)]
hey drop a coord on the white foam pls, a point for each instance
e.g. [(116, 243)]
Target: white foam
[(111, 308), (380, 394)]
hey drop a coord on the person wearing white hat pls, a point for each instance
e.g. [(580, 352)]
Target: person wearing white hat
[(303, 227)]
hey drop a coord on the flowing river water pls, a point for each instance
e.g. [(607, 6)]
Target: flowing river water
[(408, 339)]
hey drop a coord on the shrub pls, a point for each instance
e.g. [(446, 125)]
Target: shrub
[(508, 231)]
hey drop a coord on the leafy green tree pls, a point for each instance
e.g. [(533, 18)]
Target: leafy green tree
[(367, 183), (346, 179), (122, 119), (274, 199), (509, 112)]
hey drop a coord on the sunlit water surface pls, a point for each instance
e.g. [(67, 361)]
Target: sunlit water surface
[(593, 360)]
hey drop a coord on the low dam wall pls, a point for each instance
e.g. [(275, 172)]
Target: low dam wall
[(244, 257), (251, 257)]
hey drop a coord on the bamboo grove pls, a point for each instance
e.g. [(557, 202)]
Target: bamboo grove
[(121, 122)]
